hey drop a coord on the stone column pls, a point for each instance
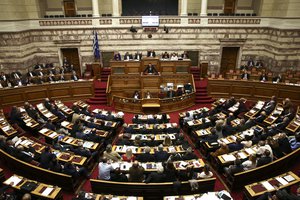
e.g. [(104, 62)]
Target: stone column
[(203, 8), (95, 5), (115, 5), (183, 11)]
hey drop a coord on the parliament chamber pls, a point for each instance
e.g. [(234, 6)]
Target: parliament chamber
[(148, 99)]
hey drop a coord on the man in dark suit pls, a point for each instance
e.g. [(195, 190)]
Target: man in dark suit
[(117, 56), (4, 80), (138, 56), (277, 79), (270, 105), (127, 56), (185, 55), (151, 53), (146, 156), (265, 159), (150, 69), (171, 93), (74, 77), (15, 78), (245, 75), (263, 77), (161, 155), (46, 158)]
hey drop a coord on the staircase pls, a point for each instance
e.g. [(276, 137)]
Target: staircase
[(104, 74), (201, 88), (100, 94)]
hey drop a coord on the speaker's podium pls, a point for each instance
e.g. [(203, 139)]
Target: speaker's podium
[(151, 106)]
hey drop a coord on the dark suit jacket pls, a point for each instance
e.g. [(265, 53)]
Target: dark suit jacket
[(161, 156), (136, 56), (150, 70), (149, 54), (117, 57), (245, 74), (263, 161), (146, 157)]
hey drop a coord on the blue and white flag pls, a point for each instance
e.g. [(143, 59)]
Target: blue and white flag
[(96, 46)]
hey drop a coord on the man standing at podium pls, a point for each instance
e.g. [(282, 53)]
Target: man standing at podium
[(150, 69)]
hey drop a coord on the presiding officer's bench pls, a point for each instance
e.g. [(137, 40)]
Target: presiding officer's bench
[(151, 190)]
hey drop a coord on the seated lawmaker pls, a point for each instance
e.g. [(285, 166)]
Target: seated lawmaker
[(185, 55), (174, 56), (263, 77), (138, 56), (171, 93), (136, 95), (165, 55), (245, 75), (151, 53), (127, 56), (277, 78), (150, 69), (117, 56)]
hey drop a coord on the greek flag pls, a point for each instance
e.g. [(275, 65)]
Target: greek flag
[(96, 46)]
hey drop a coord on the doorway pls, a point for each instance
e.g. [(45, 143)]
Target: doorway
[(229, 7), (72, 57), (69, 7), (229, 59)]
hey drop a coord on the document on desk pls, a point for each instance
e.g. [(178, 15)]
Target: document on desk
[(228, 157), (47, 191), (267, 185), (281, 180), (52, 135), (250, 151), (65, 123), (13, 179), (289, 178), (44, 130)]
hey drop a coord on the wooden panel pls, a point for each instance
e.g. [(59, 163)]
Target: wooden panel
[(36, 95), (252, 90), (64, 91), (60, 92)]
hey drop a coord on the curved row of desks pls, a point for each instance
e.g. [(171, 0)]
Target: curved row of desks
[(252, 90), (65, 91)]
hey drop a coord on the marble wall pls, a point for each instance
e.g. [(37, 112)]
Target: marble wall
[(278, 49)]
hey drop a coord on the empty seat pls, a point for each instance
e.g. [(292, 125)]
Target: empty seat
[(190, 14), (90, 15), (46, 16), (253, 14), (248, 14), (83, 15), (195, 14), (209, 14)]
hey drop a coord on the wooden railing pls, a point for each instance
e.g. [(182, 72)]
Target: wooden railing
[(151, 190)]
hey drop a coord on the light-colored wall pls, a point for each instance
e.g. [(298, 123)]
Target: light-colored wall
[(279, 8), (105, 6), (194, 6), (19, 9)]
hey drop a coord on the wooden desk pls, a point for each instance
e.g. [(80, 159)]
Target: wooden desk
[(46, 113), (140, 150), (100, 133), (294, 125), (274, 115), (175, 66), (5, 127), (203, 196), (252, 191), (252, 90), (255, 109), (42, 190), (125, 67), (65, 109), (65, 91)]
